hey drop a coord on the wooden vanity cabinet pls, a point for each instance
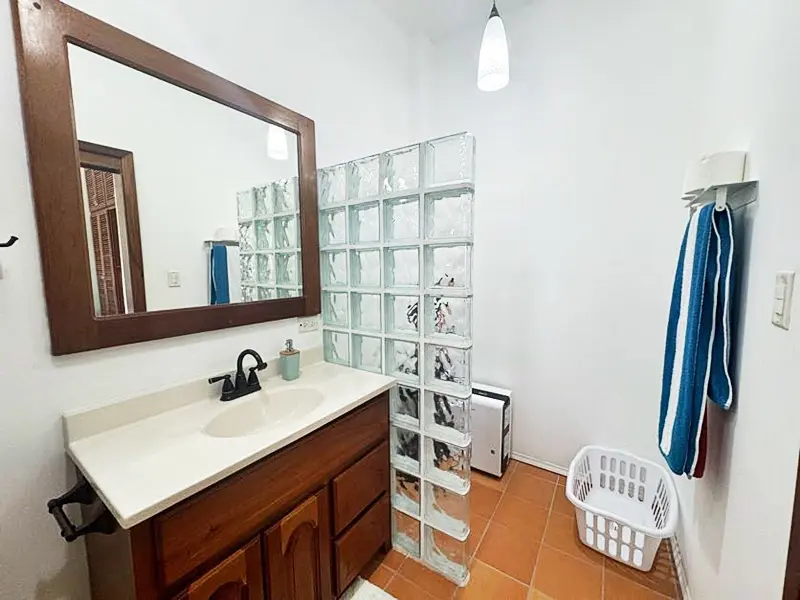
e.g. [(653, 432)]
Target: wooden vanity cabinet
[(298, 525)]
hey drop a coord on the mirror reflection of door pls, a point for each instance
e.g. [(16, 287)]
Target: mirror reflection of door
[(111, 211)]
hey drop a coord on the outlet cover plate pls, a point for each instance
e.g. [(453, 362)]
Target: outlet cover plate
[(306, 324)]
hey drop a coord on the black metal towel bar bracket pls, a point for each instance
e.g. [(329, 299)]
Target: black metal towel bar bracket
[(81, 493), (10, 242)]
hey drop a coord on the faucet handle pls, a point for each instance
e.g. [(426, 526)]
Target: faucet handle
[(227, 385), (252, 379)]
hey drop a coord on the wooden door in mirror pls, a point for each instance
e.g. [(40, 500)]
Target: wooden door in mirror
[(217, 229)]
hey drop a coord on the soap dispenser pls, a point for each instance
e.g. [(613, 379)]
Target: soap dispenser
[(290, 362)]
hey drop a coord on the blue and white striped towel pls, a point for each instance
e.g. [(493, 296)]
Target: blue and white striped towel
[(224, 275), (697, 354)]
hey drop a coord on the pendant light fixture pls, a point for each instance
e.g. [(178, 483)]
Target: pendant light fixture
[(277, 146), (493, 60)]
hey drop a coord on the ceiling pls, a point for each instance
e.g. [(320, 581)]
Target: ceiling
[(438, 18)]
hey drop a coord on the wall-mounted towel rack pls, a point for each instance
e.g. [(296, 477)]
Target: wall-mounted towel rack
[(10, 242), (734, 195), (719, 179)]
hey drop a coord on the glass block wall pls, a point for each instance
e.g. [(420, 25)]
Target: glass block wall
[(396, 246), (269, 242)]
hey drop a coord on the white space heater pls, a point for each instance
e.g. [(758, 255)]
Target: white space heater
[(491, 428)]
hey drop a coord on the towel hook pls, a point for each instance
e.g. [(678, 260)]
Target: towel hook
[(10, 242), (721, 201)]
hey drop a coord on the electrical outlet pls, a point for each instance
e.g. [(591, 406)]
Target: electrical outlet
[(306, 324)]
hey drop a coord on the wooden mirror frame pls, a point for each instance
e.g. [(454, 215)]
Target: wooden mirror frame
[(43, 30)]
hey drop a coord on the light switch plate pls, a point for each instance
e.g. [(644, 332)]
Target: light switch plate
[(174, 279), (306, 324), (782, 300)]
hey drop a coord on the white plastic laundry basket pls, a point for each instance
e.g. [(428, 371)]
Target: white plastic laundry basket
[(625, 505)]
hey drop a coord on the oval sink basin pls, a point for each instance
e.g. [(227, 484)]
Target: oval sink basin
[(267, 409)]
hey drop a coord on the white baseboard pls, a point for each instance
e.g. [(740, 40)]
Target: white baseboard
[(542, 464), (680, 568)]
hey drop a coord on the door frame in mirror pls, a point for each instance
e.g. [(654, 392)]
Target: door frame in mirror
[(43, 30)]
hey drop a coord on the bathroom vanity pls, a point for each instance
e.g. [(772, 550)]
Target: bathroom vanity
[(280, 495)]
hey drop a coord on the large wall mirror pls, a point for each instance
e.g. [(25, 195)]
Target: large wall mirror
[(169, 200)]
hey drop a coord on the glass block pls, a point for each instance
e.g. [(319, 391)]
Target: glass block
[(333, 227), (265, 268), (448, 368), (368, 353), (402, 267), (247, 237), (405, 449), (365, 223), (334, 309), (450, 160), (447, 464), (400, 169), (448, 318), (245, 206), (447, 555), (264, 199), (402, 360), (362, 178), (365, 268), (266, 293), (264, 234), (448, 266), (405, 533), (401, 219), (405, 405), (448, 214), (402, 314), (247, 262), (336, 347), (334, 268), (405, 491), (249, 293), (446, 510), (286, 232), (286, 195), (286, 268), (366, 311), (288, 293), (448, 417), (332, 184)]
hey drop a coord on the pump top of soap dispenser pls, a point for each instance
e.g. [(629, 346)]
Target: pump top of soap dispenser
[(290, 349)]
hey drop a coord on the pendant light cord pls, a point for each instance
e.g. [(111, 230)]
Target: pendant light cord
[(494, 12)]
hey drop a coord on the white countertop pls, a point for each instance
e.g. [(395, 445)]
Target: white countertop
[(141, 460)]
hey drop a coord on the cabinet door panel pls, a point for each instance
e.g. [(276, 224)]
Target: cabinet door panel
[(239, 577), (298, 552)]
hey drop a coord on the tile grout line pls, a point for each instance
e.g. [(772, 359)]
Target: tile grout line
[(541, 543), (504, 574), (474, 556)]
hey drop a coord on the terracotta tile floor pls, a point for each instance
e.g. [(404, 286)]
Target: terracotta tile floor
[(525, 546)]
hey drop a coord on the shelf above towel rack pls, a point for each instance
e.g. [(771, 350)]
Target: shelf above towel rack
[(736, 195), (210, 243)]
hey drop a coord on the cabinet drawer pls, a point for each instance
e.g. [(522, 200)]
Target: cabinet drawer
[(355, 489), (355, 548)]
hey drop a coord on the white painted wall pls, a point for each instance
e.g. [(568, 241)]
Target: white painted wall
[(350, 73), (580, 163), (191, 157), (735, 527)]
